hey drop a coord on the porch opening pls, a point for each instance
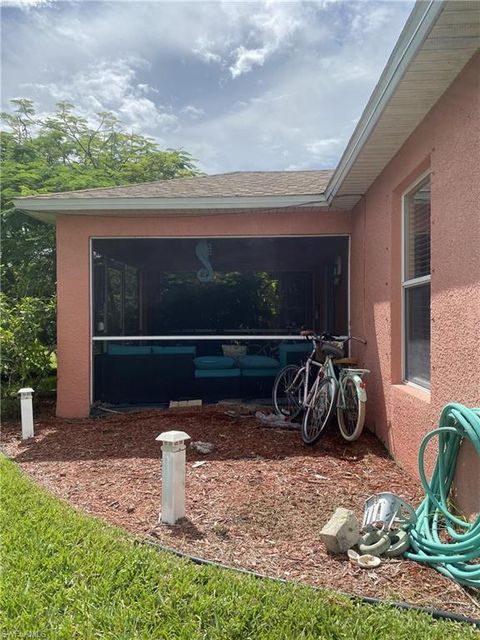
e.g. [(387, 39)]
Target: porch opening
[(209, 318)]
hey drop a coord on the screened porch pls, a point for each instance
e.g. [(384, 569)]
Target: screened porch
[(209, 318)]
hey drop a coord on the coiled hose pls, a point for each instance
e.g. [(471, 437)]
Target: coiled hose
[(454, 554)]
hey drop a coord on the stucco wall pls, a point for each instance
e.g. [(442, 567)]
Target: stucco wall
[(73, 277), (448, 143)]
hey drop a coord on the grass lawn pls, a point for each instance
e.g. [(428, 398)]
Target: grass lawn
[(66, 575)]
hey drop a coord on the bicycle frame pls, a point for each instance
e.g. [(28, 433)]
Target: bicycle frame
[(327, 369), (308, 393), (346, 373)]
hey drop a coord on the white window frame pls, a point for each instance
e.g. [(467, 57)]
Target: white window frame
[(412, 282)]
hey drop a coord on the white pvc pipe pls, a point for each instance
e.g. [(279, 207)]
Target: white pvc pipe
[(26, 409), (177, 338)]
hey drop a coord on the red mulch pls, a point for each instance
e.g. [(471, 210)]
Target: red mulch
[(258, 503)]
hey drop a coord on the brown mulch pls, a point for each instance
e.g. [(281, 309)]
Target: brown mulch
[(258, 502)]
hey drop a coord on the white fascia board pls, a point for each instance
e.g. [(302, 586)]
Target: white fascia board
[(50, 206), (421, 21)]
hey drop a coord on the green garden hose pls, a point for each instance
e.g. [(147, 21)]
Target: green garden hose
[(448, 543)]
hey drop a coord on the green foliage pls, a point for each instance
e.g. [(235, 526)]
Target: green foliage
[(27, 335), (60, 152), (66, 575), (234, 299), (64, 152)]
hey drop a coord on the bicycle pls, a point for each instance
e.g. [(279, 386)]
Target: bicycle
[(293, 390)]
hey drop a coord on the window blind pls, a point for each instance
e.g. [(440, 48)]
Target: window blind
[(417, 233)]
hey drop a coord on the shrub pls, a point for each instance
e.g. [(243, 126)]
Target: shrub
[(27, 335)]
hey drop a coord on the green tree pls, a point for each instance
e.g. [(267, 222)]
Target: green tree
[(63, 152)]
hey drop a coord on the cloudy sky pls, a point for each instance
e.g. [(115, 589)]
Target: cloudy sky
[(240, 85)]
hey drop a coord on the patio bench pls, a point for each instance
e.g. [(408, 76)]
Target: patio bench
[(144, 375)]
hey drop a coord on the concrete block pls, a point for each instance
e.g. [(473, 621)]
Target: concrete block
[(341, 532), (194, 403), (182, 404)]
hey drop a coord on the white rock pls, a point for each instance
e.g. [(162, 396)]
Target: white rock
[(203, 447), (341, 532)]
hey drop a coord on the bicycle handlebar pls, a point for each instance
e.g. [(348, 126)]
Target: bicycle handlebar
[(310, 334)]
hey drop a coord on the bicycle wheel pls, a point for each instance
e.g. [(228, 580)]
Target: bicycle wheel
[(286, 396), (351, 418), (320, 411)]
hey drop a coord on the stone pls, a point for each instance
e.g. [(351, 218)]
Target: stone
[(203, 447), (341, 532)]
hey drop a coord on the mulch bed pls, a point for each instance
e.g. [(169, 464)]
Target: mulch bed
[(258, 502)]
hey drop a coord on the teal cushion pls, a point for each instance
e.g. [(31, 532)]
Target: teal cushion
[(174, 350), (257, 362), (217, 373), (127, 350), (260, 373), (214, 362), (300, 350)]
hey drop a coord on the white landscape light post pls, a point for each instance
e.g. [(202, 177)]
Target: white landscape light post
[(173, 475), (26, 409)]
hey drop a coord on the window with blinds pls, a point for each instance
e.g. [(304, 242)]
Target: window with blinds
[(417, 236), (416, 284)]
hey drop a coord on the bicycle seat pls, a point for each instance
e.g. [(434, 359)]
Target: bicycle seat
[(352, 361), (307, 332)]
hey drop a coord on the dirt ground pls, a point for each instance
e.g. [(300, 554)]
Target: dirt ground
[(258, 502)]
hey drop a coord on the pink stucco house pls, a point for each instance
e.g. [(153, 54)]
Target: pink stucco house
[(385, 247)]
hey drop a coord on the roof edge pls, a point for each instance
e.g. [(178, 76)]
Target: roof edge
[(46, 208), (416, 29)]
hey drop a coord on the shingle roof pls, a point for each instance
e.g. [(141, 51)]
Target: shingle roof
[(240, 183)]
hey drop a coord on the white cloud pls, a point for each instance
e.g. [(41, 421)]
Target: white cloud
[(144, 115), (203, 49), (113, 87), (25, 4), (246, 59), (325, 151), (192, 112), (369, 19), (318, 147), (273, 28), (251, 85)]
